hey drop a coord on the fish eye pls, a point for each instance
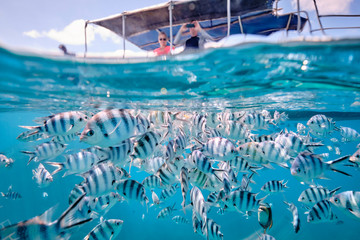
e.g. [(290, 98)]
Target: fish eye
[(298, 170), (336, 200), (90, 133), (80, 119)]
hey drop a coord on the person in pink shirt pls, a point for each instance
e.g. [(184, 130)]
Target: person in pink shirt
[(163, 49)]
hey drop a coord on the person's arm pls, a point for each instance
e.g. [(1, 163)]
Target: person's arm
[(177, 40)]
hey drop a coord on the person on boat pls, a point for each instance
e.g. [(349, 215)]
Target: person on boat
[(198, 36), (163, 49), (63, 48)]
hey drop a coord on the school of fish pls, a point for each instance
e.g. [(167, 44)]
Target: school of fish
[(211, 158)]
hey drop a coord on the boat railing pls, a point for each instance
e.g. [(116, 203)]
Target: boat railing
[(319, 16)]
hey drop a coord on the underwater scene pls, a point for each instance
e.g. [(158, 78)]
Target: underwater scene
[(257, 141)]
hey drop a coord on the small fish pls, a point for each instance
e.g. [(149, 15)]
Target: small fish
[(349, 134), (308, 166), (152, 182), (180, 220), (313, 195), (65, 138), (321, 212), (109, 127), (166, 212), (48, 150), (274, 186), (321, 126), (265, 216), (107, 229), (42, 177), (296, 220), (266, 237), (213, 230), (242, 201), (132, 190), (76, 163), (11, 195), (154, 198), (168, 193), (58, 124), (5, 161), (348, 202), (184, 185), (220, 148)]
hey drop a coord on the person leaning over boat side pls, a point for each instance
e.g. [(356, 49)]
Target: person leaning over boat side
[(197, 39), (64, 49), (163, 49)]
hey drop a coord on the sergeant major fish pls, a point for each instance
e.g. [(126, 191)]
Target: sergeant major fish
[(42, 177), (106, 229)]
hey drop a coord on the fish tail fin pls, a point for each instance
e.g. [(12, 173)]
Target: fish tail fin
[(31, 154), (2, 194), (68, 220), (339, 171), (336, 161), (59, 167)]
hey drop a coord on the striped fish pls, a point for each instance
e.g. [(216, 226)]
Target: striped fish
[(265, 216), (313, 195), (274, 186), (102, 179), (118, 155), (213, 230), (348, 202), (349, 134), (76, 192), (166, 212), (146, 145), (58, 124), (5, 161), (321, 212), (10, 194), (180, 142), (104, 203), (198, 178), (213, 198), (152, 182), (308, 166), (234, 130), (355, 158), (106, 229), (321, 126), (46, 150), (293, 144), (169, 150), (109, 127), (242, 201), (160, 118), (296, 220), (144, 124), (252, 153), (275, 152), (76, 163), (220, 148), (42, 177), (167, 173), (184, 184), (30, 136), (180, 220), (255, 121), (199, 206), (168, 193), (40, 228), (267, 237), (241, 165), (132, 190), (198, 123), (65, 138)]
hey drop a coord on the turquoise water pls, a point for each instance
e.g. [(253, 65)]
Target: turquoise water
[(300, 79)]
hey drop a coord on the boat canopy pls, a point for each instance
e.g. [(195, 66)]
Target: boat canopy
[(219, 18)]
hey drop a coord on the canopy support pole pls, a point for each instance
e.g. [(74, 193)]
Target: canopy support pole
[(123, 33), (171, 26), (228, 17), (298, 16), (86, 24), (317, 15), (240, 24)]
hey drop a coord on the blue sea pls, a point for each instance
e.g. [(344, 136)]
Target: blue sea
[(301, 79)]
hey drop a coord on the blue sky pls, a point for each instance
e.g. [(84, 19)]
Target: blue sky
[(44, 24)]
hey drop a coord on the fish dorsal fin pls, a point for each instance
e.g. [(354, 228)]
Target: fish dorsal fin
[(10, 188), (71, 127)]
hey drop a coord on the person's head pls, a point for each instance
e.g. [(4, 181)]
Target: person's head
[(192, 29), (162, 38), (63, 48)]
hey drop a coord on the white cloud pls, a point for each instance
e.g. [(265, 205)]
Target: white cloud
[(73, 34), (325, 6)]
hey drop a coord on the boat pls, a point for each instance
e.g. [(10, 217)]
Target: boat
[(220, 18)]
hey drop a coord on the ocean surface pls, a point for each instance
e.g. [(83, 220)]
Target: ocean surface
[(301, 79)]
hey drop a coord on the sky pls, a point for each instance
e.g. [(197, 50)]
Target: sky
[(44, 24)]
